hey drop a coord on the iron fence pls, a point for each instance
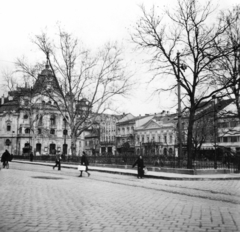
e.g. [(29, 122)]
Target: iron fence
[(232, 163)]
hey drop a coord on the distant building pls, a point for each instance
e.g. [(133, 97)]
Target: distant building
[(156, 134), (108, 133)]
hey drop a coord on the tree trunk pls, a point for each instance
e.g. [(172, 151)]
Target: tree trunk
[(73, 144), (189, 139)]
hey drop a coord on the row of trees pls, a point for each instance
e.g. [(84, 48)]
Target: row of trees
[(208, 42), (209, 45)]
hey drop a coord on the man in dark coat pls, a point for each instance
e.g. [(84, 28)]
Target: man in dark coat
[(84, 161), (58, 162), (139, 162), (31, 156), (5, 158)]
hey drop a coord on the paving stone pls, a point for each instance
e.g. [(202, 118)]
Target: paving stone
[(114, 203)]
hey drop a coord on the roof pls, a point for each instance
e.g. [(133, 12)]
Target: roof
[(9, 106), (131, 120)]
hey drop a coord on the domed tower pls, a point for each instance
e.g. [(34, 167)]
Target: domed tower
[(45, 80)]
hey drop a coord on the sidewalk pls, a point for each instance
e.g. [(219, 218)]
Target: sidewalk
[(150, 174)]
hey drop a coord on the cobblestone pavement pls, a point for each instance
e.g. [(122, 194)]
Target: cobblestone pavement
[(41, 199)]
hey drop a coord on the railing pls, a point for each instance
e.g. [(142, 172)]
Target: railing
[(232, 164)]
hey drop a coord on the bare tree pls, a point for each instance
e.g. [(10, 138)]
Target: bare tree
[(228, 67), (82, 84), (188, 29)]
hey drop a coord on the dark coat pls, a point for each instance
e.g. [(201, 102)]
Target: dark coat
[(5, 156), (139, 162), (84, 160)]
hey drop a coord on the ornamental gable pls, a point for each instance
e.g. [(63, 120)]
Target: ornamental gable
[(151, 125)]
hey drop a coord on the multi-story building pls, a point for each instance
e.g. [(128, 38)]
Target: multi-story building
[(125, 134), (30, 121), (91, 139), (125, 137), (108, 133), (156, 135), (216, 127)]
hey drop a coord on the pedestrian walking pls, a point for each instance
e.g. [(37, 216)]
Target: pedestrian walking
[(31, 156), (5, 158), (58, 162), (140, 164), (84, 161)]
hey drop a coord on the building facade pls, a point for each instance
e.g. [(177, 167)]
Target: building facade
[(31, 121), (157, 136), (108, 125)]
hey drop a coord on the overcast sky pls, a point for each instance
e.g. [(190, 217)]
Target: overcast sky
[(95, 22)]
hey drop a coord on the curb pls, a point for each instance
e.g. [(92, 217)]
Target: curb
[(133, 174)]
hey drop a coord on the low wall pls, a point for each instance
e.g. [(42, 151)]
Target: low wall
[(170, 170)]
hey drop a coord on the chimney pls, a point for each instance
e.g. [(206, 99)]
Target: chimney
[(2, 100)]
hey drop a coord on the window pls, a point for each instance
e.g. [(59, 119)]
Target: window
[(142, 139), (40, 120), (52, 120), (233, 124), (225, 139), (225, 125), (25, 116), (39, 131), (27, 131), (65, 132), (165, 138), (170, 138), (8, 128), (52, 132), (233, 139)]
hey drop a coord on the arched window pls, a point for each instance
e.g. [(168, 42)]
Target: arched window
[(170, 151), (52, 120), (40, 120), (165, 151)]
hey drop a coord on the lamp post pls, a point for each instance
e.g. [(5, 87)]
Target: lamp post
[(12, 141), (183, 67), (179, 113), (215, 132), (65, 135)]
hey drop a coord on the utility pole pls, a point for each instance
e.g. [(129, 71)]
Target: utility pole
[(215, 131), (179, 113)]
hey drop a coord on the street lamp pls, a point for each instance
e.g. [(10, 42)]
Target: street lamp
[(65, 135), (12, 141), (215, 132), (183, 67)]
